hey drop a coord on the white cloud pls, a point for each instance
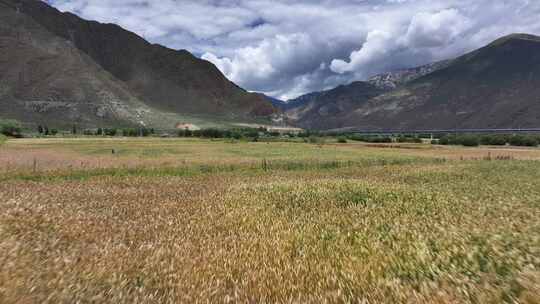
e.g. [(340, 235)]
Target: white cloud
[(288, 48), (436, 29)]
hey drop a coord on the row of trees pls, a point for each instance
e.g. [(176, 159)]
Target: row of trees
[(472, 140), (219, 133), (12, 128), (383, 138), (127, 132)]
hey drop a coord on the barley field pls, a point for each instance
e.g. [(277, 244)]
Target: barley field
[(199, 221)]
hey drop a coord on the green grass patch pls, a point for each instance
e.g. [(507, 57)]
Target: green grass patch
[(191, 170)]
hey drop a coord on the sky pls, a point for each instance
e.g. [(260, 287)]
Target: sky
[(289, 48)]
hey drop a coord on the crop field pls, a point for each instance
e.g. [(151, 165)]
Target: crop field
[(189, 221)]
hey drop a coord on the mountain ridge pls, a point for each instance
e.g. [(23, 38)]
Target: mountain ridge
[(164, 80), (496, 86)]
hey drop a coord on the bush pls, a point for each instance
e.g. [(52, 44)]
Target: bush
[(524, 140), (469, 141), (342, 140), (445, 140), (185, 133), (236, 135), (464, 140), (110, 132), (371, 138), (494, 140), (409, 139), (10, 128), (380, 139), (308, 133), (136, 132)]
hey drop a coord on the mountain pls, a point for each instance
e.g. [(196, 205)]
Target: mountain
[(278, 103), (321, 110), (392, 80), (497, 86), (58, 68)]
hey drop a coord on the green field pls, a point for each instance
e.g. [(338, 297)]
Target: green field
[(189, 220)]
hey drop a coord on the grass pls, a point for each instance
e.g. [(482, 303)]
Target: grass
[(257, 222), (3, 139)]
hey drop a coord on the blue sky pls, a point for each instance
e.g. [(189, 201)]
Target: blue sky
[(288, 48)]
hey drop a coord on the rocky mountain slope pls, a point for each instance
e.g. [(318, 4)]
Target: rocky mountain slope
[(59, 68), (497, 86), (392, 80), (322, 110)]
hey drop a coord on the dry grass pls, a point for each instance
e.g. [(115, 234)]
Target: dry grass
[(414, 231)]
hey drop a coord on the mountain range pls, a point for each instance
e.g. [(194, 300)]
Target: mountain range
[(497, 86), (58, 69)]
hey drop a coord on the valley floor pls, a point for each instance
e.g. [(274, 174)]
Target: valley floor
[(169, 220)]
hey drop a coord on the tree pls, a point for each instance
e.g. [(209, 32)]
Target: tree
[(470, 141), (10, 128), (40, 129)]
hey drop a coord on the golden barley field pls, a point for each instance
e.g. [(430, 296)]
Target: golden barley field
[(199, 221)]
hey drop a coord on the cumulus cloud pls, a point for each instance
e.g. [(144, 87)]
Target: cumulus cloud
[(287, 48)]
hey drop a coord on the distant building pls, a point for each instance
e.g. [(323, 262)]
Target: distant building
[(186, 126)]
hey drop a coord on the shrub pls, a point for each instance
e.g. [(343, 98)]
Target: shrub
[(308, 133), (380, 139), (445, 140), (110, 132), (465, 140), (135, 132), (10, 128), (236, 135), (211, 133), (469, 141), (522, 140), (185, 133), (409, 139), (130, 132), (371, 138), (342, 140), (312, 139), (494, 140)]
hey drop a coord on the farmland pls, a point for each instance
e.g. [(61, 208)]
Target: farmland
[(190, 220)]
